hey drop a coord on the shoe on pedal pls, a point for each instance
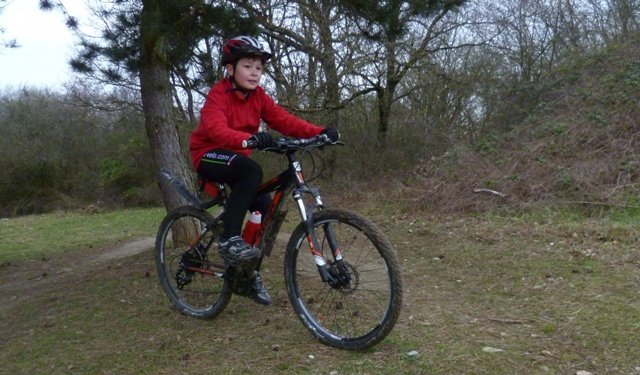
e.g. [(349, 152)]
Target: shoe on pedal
[(235, 249), (259, 292)]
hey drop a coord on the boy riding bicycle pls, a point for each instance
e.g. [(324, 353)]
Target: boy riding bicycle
[(231, 114)]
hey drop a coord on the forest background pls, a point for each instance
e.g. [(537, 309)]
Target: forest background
[(495, 143), (443, 105)]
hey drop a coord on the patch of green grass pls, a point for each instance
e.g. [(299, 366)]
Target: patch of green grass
[(548, 329), (32, 237)]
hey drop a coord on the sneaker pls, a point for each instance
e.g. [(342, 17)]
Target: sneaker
[(259, 292), (235, 249)]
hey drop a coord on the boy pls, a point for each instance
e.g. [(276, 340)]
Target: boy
[(231, 114)]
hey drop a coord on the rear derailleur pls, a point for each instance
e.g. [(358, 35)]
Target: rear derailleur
[(190, 260)]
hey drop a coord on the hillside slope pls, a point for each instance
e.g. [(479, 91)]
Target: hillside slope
[(580, 144)]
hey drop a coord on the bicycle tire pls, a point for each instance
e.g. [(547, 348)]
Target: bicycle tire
[(356, 316), (201, 294)]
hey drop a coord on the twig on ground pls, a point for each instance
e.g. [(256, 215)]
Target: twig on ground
[(499, 194), (507, 321)]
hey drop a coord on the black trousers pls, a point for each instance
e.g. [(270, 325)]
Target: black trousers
[(243, 175)]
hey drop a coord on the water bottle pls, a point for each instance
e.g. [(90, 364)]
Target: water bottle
[(250, 232)]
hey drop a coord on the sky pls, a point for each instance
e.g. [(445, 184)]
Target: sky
[(46, 44)]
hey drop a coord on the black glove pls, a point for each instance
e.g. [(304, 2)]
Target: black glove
[(332, 134), (261, 140)]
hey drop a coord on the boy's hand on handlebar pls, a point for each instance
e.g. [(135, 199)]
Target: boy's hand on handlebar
[(331, 133), (261, 140)]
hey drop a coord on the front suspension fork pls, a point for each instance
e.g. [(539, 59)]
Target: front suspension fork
[(306, 213)]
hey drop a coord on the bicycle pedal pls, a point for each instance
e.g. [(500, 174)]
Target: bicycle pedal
[(239, 262)]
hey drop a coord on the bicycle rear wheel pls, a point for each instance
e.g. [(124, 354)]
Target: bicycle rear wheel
[(189, 266), (363, 310)]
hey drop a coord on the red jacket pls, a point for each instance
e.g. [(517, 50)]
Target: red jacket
[(228, 118)]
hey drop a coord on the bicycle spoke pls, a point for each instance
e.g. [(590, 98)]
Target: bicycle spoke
[(189, 268), (355, 309)]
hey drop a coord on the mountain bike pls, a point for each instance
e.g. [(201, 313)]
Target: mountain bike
[(341, 272)]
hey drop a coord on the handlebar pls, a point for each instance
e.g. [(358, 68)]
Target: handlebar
[(284, 144)]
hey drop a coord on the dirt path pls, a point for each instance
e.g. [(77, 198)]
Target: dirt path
[(20, 281), (29, 279)]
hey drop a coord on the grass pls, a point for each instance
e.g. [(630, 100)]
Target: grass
[(547, 289), (31, 237)]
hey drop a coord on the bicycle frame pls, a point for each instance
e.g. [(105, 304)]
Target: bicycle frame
[(293, 181), (289, 181)]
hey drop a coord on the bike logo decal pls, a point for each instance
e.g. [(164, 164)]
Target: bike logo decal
[(338, 254), (214, 157), (317, 256)]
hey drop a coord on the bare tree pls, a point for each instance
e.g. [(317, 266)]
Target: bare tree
[(399, 35)]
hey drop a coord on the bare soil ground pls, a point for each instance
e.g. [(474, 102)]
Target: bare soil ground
[(483, 295), (35, 278)]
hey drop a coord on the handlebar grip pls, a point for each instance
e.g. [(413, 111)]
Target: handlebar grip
[(249, 143)]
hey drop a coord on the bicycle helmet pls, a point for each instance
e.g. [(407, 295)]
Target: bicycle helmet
[(243, 46)]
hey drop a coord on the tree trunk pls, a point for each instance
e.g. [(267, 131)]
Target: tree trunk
[(155, 89), (386, 94), (384, 108), (330, 70)]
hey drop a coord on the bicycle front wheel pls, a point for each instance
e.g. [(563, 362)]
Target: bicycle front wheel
[(364, 308), (189, 267)]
